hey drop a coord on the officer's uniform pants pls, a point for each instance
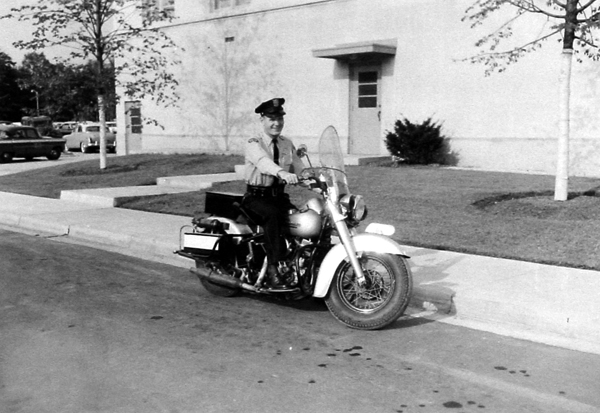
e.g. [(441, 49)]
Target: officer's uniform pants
[(272, 212)]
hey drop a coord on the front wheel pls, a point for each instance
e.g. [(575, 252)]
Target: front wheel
[(382, 299), (6, 157)]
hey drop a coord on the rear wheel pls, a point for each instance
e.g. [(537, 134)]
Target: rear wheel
[(83, 147), (382, 299), (213, 288), (54, 154)]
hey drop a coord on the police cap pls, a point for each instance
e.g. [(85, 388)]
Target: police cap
[(271, 107)]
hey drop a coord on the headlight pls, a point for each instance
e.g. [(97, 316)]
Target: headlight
[(354, 206)]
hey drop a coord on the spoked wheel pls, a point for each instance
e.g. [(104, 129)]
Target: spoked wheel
[(213, 288), (382, 299)]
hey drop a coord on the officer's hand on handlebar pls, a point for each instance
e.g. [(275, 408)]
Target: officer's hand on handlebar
[(288, 177)]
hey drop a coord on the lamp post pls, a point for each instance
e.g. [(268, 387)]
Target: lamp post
[(37, 102)]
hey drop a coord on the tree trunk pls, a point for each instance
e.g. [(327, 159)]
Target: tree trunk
[(561, 185), (562, 165), (102, 116)]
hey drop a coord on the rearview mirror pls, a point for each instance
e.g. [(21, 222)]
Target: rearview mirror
[(301, 151)]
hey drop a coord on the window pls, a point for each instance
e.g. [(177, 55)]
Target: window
[(367, 89), (224, 4), (135, 114), (31, 134)]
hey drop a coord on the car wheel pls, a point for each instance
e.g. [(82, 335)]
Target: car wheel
[(6, 157), (83, 147), (54, 154)]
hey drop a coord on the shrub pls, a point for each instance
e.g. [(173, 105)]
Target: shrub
[(419, 144)]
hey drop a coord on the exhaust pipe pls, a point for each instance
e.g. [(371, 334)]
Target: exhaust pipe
[(223, 280)]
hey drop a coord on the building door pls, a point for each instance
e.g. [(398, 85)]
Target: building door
[(365, 110), (133, 127)]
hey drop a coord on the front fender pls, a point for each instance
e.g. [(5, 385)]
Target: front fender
[(362, 242)]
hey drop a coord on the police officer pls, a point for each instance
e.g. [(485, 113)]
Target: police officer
[(271, 162)]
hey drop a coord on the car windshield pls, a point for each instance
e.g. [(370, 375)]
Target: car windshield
[(93, 129)]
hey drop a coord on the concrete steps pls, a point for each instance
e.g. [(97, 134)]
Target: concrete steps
[(113, 197)]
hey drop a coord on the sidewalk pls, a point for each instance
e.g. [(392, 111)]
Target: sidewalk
[(552, 305)]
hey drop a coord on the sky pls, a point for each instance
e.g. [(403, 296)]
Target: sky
[(12, 30)]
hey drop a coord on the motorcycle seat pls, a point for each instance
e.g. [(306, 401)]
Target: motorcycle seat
[(246, 216)]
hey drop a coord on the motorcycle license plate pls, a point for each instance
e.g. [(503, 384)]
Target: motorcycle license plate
[(200, 243)]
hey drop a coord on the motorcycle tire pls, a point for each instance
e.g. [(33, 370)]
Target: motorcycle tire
[(215, 289), (380, 302)]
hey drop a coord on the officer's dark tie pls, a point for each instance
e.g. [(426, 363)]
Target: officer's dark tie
[(275, 152)]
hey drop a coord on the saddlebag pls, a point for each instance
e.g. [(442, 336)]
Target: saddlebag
[(208, 240), (201, 244)]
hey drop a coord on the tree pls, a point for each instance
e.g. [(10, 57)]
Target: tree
[(11, 99), (65, 92), (575, 22), (119, 35)]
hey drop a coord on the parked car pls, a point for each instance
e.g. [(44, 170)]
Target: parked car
[(26, 142), (112, 126), (86, 137), (43, 124), (66, 128)]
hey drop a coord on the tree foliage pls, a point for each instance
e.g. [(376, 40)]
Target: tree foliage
[(11, 98), (65, 92), (573, 22), (120, 37)]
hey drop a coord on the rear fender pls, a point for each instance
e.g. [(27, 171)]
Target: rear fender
[(335, 256)]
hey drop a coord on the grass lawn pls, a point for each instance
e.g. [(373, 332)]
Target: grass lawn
[(130, 170), (489, 213)]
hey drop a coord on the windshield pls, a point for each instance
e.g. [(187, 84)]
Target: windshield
[(331, 160), (330, 151)]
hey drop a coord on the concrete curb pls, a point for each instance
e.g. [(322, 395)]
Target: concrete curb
[(38, 224)]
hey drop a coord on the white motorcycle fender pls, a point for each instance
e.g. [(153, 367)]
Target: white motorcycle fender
[(362, 242)]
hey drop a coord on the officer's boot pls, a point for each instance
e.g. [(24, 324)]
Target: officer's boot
[(274, 278)]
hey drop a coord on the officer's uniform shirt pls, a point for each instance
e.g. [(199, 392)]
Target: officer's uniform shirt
[(261, 170)]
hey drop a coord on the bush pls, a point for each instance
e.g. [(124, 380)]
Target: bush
[(419, 144)]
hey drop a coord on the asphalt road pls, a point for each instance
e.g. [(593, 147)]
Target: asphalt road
[(85, 330)]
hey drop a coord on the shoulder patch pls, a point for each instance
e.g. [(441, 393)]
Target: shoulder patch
[(253, 140)]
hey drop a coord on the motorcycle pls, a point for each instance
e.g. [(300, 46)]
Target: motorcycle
[(364, 278)]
